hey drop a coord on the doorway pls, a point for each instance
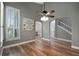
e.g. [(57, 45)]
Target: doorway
[(38, 28)]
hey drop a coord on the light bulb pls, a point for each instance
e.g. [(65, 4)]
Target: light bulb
[(44, 18)]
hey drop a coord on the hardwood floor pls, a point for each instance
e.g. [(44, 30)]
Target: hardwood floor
[(45, 48)]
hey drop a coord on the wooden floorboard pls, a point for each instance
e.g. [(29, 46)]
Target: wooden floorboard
[(46, 48)]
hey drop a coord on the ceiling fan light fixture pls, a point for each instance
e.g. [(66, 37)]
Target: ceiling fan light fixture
[(52, 11), (44, 18), (45, 14)]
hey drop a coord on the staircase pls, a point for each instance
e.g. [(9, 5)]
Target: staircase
[(63, 30), (65, 27)]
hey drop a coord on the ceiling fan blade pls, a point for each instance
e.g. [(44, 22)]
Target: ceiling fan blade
[(51, 16), (52, 11), (48, 13), (44, 12)]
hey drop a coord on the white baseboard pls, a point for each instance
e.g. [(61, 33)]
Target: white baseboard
[(58, 39), (18, 44), (75, 47), (45, 39), (63, 39)]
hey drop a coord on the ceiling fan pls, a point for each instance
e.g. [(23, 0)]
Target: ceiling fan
[(47, 13)]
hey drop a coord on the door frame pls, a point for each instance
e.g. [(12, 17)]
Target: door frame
[(41, 27)]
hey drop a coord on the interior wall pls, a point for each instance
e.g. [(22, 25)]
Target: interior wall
[(67, 9), (27, 10)]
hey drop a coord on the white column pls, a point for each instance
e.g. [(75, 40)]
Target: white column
[(2, 20)]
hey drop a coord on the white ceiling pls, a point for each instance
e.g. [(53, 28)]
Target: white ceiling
[(39, 2)]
